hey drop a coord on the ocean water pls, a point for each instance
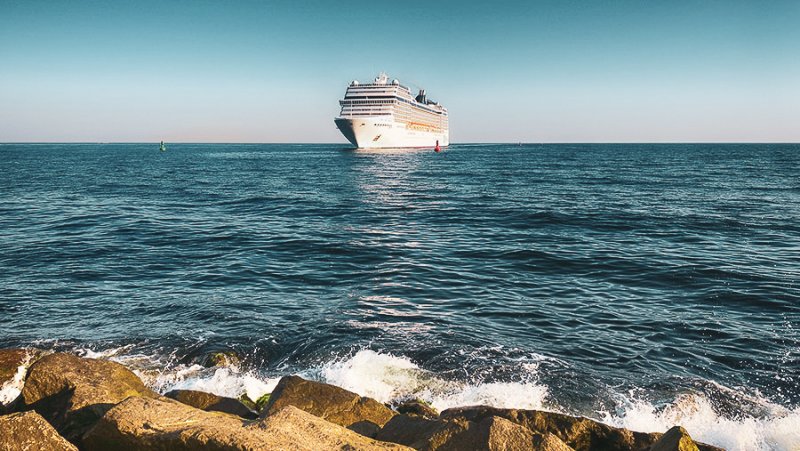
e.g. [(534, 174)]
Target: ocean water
[(642, 285)]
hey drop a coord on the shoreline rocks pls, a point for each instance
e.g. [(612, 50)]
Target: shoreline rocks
[(212, 403), (144, 424), (68, 401), (28, 430), (72, 393), (328, 402)]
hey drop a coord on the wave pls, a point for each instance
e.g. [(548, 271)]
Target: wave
[(390, 378), (10, 390), (779, 429), (738, 422)]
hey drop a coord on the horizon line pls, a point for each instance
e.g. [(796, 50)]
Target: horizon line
[(451, 144)]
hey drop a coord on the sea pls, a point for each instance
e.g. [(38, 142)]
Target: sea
[(643, 285)]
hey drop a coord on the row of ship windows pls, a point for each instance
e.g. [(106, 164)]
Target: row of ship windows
[(413, 103), (414, 115)]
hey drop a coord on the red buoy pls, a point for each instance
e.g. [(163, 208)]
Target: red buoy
[(437, 149)]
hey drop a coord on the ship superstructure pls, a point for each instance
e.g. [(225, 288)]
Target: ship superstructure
[(385, 114)]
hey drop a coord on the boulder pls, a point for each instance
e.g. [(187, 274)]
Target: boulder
[(675, 439), (408, 430), (580, 433), (417, 407), (212, 403), (328, 402), (489, 434), (365, 428), (224, 358), (577, 432), (146, 424), (298, 428), (29, 431), (72, 392)]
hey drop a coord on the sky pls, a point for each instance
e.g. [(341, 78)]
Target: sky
[(508, 71)]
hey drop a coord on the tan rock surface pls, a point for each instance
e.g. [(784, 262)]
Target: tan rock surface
[(489, 434), (675, 439), (10, 361), (29, 431), (418, 408), (150, 424), (328, 402), (72, 392), (212, 403), (580, 433)]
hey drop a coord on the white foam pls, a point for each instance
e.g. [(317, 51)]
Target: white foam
[(226, 381), (389, 378), (12, 388), (161, 375), (780, 431)]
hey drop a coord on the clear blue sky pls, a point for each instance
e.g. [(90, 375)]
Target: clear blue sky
[(273, 71)]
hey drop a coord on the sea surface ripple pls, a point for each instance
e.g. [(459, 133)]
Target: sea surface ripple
[(639, 284)]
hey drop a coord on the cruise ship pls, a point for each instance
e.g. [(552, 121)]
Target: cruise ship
[(385, 114)]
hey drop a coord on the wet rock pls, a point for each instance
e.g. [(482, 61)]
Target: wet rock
[(244, 399), (365, 428), (328, 402), (418, 408), (10, 361), (29, 431), (580, 433), (491, 433), (212, 403), (262, 401), (675, 439), (72, 392), (497, 433), (408, 429), (11, 377), (145, 424), (297, 427), (223, 358)]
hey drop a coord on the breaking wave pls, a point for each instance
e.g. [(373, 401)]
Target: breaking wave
[(751, 423)]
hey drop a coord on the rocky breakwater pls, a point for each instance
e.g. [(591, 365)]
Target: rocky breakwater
[(68, 402)]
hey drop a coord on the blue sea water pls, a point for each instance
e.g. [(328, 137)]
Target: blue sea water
[(643, 285)]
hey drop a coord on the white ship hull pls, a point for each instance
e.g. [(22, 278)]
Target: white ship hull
[(385, 115), (380, 133)]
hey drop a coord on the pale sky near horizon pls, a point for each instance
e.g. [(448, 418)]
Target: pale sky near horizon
[(273, 71)]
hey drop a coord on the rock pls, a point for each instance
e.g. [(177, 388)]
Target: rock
[(244, 399), (495, 433), (328, 402), (491, 433), (224, 358), (12, 373), (417, 407), (365, 428), (408, 429), (72, 392), (675, 439), (580, 433), (10, 361), (296, 427), (29, 431), (212, 403), (146, 424), (262, 401)]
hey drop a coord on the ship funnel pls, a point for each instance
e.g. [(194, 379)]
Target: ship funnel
[(421, 96)]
